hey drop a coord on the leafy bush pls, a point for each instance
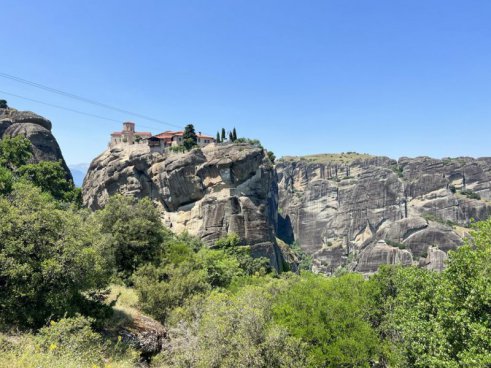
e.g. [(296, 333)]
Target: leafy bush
[(68, 343), (331, 317), (470, 194), (48, 258), (51, 177), (253, 142), (439, 319), (14, 152), (136, 234)]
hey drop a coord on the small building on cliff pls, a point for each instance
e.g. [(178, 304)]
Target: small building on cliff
[(173, 139), (158, 142), (129, 136)]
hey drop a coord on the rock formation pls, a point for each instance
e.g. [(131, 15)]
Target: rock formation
[(209, 192), (35, 128), (358, 211)]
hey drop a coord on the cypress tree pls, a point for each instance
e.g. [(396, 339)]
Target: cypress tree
[(218, 137), (190, 139), (223, 135), (234, 134), (230, 136)]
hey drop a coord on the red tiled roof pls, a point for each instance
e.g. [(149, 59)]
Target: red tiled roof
[(168, 134)]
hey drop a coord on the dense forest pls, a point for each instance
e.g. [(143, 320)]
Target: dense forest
[(70, 277)]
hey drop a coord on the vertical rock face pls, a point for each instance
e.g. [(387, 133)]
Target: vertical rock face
[(35, 128), (211, 192), (338, 207)]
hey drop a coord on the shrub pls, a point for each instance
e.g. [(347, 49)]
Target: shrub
[(48, 258), (330, 316), (136, 234), (470, 194)]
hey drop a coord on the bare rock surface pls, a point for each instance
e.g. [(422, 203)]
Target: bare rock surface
[(338, 207), (209, 192), (35, 128)]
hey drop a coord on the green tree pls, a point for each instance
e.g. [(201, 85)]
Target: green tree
[(218, 137), (190, 139), (439, 319), (6, 180), (14, 152), (185, 270), (271, 156), (49, 257), (234, 135), (3, 104), (330, 316), (223, 135), (136, 232), (50, 176)]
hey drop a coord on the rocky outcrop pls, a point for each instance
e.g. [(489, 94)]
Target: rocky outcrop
[(339, 208), (209, 192), (35, 128)]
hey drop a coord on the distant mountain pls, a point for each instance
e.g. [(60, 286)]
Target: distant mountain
[(78, 172)]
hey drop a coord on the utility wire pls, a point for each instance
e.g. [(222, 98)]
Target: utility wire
[(68, 109), (83, 99)]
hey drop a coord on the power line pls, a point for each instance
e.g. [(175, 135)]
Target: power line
[(68, 109), (83, 99)]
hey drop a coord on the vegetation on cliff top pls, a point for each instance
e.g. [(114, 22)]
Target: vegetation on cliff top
[(339, 158)]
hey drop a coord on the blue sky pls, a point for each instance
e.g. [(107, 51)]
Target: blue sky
[(395, 78)]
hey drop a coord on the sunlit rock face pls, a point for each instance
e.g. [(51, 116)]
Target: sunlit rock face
[(209, 192), (339, 207)]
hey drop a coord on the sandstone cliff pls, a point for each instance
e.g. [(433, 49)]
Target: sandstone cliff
[(209, 192), (35, 128), (358, 211)]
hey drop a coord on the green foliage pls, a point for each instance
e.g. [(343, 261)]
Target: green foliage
[(253, 142), (223, 135), (329, 315), (305, 259), (3, 104), (234, 135), (235, 330), (395, 244), (6, 180), (190, 139), (439, 320), (48, 258), (187, 269), (470, 194), (428, 216), (14, 152), (177, 149), (398, 170), (271, 156), (71, 335), (135, 232), (51, 177), (68, 343), (250, 265), (218, 138)]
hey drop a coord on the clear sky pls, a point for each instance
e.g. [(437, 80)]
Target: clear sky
[(388, 77)]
